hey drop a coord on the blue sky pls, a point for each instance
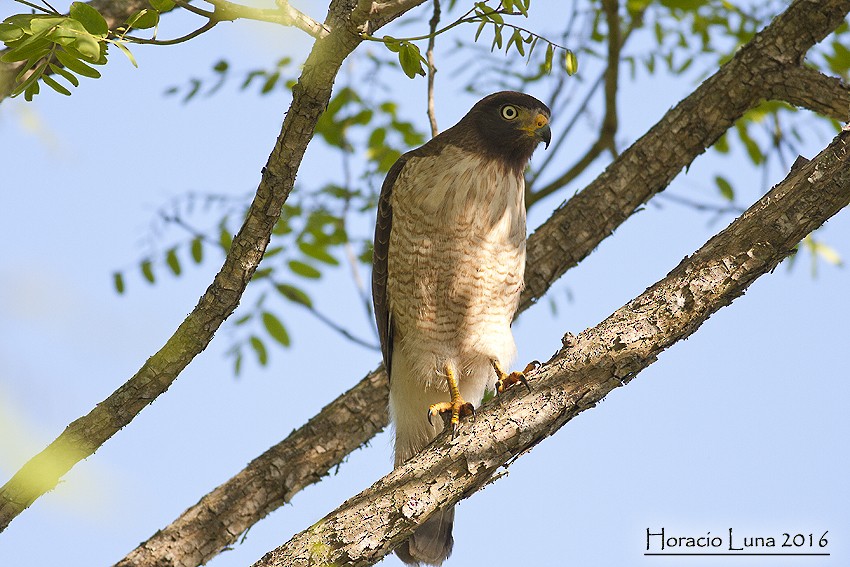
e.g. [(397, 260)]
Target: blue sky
[(742, 426)]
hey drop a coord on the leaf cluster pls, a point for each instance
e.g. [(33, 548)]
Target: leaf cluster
[(51, 45)]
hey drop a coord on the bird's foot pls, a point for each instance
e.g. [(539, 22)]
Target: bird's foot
[(455, 409), (505, 381)]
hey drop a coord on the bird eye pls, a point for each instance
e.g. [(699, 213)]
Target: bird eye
[(509, 112)]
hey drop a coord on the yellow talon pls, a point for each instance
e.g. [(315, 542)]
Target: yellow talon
[(505, 381), (456, 408)]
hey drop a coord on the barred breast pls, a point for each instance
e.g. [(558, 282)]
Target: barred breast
[(456, 263)]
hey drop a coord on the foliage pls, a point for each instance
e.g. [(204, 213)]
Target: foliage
[(51, 45)]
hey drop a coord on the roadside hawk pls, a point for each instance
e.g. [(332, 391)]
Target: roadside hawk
[(447, 274)]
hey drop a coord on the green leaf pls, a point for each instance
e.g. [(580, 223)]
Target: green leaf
[(270, 83), (118, 282), (30, 84), (143, 19), (53, 84), (547, 62), (41, 24), (89, 47), (237, 363), (197, 248), (30, 48), (243, 319), (30, 91), (162, 5), (827, 253), (89, 17), (275, 328), (294, 294), (262, 273), (225, 239), (76, 65), (725, 187), (304, 270), (260, 350), (173, 261), (570, 62), (411, 60), (318, 252), (147, 271), (221, 66), (126, 52), (71, 78), (10, 32)]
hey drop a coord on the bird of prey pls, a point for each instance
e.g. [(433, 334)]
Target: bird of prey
[(447, 273)]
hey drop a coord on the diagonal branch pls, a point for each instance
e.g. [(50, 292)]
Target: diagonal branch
[(86, 434), (368, 526), (582, 223), (808, 88)]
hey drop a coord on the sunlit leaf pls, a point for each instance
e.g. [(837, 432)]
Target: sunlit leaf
[(275, 328), (126, 52), (75, 65), (570, 62), (89, 17)]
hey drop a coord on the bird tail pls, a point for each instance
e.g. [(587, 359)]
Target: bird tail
[(432, 542)]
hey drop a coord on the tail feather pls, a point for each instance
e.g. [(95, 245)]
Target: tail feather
[(432, 542)]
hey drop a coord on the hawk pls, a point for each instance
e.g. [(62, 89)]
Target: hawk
[(447, 273)]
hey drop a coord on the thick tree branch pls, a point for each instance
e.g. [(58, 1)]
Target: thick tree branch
[(810, 89), (368, 526), (85, 435), (577, 223)]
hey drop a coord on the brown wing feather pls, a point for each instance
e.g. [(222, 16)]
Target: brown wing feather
[(380, 300)]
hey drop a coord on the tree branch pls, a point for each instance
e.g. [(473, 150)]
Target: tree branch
[(583, 222), (86, 434), (432, 69), (810, 89), (588, 367)]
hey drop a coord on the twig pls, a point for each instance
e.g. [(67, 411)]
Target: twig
[(432, 70)]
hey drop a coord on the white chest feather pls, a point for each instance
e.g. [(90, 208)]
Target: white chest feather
[(456, 261)]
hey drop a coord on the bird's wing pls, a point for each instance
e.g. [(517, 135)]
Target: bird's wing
[(380, 299)]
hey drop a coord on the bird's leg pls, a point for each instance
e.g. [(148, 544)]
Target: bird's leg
[(505, 381), (454, 410)]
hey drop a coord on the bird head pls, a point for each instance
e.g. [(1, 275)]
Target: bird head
[(509, 125)]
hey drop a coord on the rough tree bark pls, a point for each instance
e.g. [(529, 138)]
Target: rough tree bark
[(769, 67), (309, 98), (588, 367)]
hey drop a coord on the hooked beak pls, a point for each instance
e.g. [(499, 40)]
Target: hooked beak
[(544, 133), (539, 128)]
